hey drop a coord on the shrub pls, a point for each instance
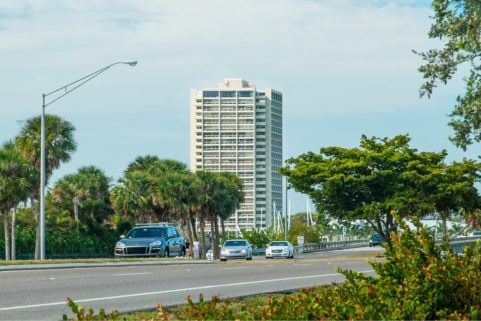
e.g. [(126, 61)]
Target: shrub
[(416, 280)]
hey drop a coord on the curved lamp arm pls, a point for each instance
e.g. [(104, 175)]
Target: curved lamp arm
[(79, 82)]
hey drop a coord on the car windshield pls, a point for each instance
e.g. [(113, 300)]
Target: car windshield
[(279, 243), (146, 232), (235, 243)]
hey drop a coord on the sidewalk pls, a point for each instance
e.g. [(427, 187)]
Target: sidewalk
[(46, 266)]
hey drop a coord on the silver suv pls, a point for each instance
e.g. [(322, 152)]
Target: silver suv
[(161, 240)]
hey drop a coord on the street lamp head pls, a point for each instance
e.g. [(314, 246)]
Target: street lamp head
[(131, 63)]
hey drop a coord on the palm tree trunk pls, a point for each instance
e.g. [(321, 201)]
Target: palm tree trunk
[(7, 236), (36, 216), (189, 236), (202, 235), (212, 241), (14, 234), (193, 227), (223, 230), (215, 238), (75, 211)]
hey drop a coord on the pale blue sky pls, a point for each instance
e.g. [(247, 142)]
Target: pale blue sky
[(345, 68)]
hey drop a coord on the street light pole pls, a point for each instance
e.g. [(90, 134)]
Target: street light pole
[(62, 91)]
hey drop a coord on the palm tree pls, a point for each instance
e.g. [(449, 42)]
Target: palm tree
[(205, 201), (228, 196), (142, 163), (219, 196), (59, 145), (88, 189), (153, 164), (132, 197), (16, 178), (140, 191), (178, 190)]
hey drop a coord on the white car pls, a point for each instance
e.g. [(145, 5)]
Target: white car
[(236, 249), (280, 249)]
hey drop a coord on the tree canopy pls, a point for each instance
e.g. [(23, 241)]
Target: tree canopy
[(457, 23), (380, 177)]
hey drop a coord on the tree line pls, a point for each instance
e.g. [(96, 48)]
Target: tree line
[(151, 190), (369, 183)]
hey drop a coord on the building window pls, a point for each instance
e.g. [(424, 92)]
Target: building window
[(228, 94), (211, 94), (246, 93)]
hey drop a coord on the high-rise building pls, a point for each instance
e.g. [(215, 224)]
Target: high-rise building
[(237, 128)]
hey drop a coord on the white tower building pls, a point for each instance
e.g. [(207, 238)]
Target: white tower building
[(237, 128)]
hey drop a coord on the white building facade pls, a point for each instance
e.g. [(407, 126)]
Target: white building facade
[(237, 128)]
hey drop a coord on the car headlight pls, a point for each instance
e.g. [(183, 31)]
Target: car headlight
[(268, 251), (224, 251), (243, 251), (156, 243), (120, 244)]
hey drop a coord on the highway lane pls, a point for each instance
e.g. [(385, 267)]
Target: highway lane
[(41, 294)]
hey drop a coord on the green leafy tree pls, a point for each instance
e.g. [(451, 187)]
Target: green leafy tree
[(368, 183), (452, 189), (457, 24), (298, 228), (258, 238), (59, 146)]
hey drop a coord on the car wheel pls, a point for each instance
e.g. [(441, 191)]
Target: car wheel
[(223, 260)]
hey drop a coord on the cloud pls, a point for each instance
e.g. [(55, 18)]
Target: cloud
[(345, 68)]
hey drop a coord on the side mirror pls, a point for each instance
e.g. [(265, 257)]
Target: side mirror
[(122, 237)]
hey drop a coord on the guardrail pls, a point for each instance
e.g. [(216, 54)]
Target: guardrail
[(459, 243), (333, 245), (322, 246), (456, 245)]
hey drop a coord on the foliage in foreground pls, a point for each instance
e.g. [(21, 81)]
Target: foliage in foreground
[(416, 281)]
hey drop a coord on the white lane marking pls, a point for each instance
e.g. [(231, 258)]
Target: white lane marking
[(236, 268), (129, 274), (173, 290)]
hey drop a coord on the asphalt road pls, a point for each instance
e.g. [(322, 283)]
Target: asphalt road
[(40, 294)]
